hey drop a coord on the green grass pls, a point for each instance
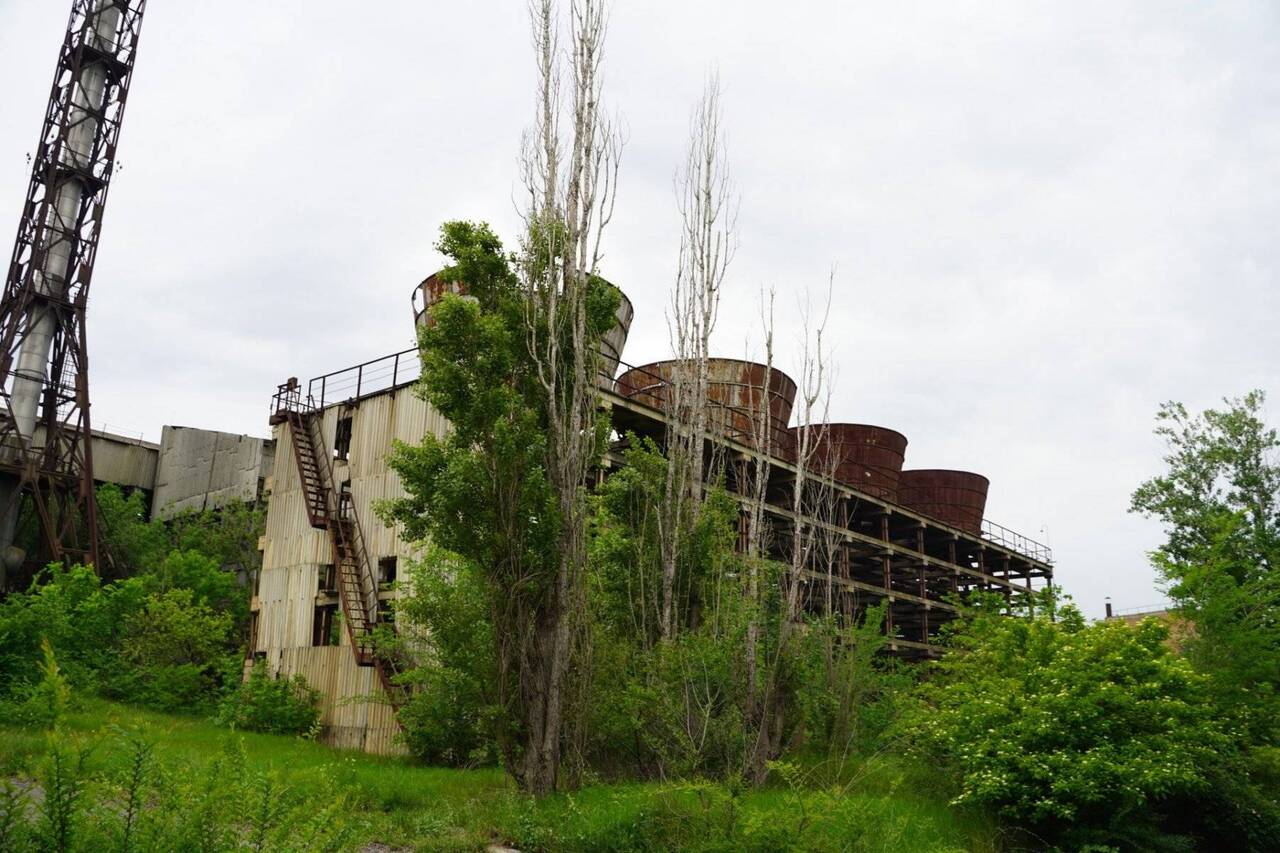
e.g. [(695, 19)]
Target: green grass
[(889, 807)]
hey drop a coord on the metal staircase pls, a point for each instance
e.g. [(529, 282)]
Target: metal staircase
[(333, 510)]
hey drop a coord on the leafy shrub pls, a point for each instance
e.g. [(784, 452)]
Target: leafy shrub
[(82, 620), (45, 703), (1054, 724), (175, 648), (273, 705), (61, 809), (210, 585)]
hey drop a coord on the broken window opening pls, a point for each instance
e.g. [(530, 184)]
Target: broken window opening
[(386, 570), (328, 578), (342, 439), (324, 627)]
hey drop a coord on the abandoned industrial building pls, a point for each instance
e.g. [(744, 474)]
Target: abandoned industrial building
[(914, 537), (911, 538)]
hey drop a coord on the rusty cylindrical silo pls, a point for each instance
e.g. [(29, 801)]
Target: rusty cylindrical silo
[(865, 457), (434, 287), (739, 394), (957, 498), (426, 295)]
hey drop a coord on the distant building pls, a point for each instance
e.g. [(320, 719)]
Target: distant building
[(1179, 628), (190, 469)]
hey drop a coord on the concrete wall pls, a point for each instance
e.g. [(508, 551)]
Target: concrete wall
[(202, 469), (127, 462)]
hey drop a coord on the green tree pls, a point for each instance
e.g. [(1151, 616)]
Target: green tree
[(134, 542), (228, 535), (1067, 728), (212, 552), (483, 492), (664, 702), (209, 583), (1218, 501), (82, 619)]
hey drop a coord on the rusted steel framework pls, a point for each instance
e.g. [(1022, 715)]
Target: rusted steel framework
[(43, 349), (874, 549), (880, 549)]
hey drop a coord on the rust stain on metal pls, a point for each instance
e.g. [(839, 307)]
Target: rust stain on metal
[(868, 458), (957, 498), (746, 399), (431, 291)]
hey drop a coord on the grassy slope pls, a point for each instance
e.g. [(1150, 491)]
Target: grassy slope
[(435, 808)]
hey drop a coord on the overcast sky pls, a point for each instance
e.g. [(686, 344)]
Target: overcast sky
[(1046, 218)]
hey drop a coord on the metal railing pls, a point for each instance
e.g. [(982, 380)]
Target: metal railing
[(1003, 536), (1144, 609), (371, 377)]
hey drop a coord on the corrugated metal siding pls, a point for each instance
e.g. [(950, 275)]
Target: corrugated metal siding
[(352, 710), (293, 552)]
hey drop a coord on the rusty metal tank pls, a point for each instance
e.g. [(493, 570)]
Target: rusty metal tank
[(957, 498), (434, 287), (868, 458), (739, 393), (426, 295)]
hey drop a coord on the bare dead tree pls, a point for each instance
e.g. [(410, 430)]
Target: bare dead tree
[(707, 206), (754, 469), (768, 712), (571, 180), (815, 405)]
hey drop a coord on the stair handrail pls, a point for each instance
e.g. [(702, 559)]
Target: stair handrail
[(341, 506), (368, 578)]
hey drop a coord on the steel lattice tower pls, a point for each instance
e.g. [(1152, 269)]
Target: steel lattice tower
[(44, 360)]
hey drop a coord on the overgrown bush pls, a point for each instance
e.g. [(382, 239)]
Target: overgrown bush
[(213, 553), (848, 694), (1071, 730), (176, 651), (264, 703), (44, 703), (452, 714), (672, 711), (164, 639), (690, 705), (82, 620)]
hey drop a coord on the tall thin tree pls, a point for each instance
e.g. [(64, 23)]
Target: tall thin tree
[(571, 180), (708, 210)]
